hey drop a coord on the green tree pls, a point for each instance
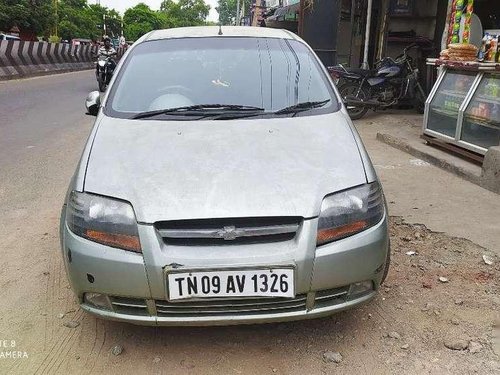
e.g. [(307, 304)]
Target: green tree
[(68, 30), (74, 20), (185, 12), (113, 23), (113, 19), (77, 19), (37, 16), (140, 20), (227, 10), (78, 4)]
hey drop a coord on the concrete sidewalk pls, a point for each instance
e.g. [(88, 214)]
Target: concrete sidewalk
[(406, 136), (423, 193)]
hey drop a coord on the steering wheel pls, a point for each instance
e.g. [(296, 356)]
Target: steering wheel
[(171, 97)]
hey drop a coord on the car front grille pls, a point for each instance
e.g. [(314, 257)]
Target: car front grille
[(129, 306), (226, 307), (230, 307), (329, 297), (228, 231)]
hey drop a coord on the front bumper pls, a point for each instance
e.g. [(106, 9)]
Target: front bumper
[(136, 282), (254, 318)]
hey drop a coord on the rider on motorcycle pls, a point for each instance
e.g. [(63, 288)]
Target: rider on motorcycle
[(107, 50)]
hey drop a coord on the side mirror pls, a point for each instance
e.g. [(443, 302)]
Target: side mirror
[(93, 102)]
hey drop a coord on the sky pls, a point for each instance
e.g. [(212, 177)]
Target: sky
[(122, 5)]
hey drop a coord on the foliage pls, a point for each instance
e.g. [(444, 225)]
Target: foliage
[(184, 12), (33, 15), (74, 21), (84, 19), (54, 39), (113, 19), (79, 20), (141, 19), (227, 10)]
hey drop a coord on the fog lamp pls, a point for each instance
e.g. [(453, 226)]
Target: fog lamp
[(98, 300), (362, 287)]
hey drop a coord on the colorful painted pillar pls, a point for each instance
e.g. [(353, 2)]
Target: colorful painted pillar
[(460, 8)]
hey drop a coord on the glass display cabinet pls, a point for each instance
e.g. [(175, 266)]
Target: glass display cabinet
[(463, 108)]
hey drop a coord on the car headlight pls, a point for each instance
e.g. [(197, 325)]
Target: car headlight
[(104, 220), (349, 212)]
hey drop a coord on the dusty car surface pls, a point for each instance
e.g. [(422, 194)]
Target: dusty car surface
[(223, 183)]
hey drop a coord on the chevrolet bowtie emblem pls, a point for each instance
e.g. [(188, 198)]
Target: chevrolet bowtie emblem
[(230, 233)]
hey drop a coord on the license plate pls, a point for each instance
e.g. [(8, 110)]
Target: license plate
[(231, 284)]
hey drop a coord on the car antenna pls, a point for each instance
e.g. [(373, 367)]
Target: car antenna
[(220, 29)]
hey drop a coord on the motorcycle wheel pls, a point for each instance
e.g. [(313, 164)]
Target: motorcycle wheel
[(351, 89), (419, 100), (102, 86)]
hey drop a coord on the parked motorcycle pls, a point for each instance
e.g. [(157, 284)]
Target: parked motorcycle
[(104, 71), (391, 82)]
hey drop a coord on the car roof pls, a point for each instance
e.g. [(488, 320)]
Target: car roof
[(213, 31)]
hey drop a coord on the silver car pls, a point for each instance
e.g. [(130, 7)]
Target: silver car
[(223, 183)]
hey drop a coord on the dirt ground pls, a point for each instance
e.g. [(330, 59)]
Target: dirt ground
[(404, 330)]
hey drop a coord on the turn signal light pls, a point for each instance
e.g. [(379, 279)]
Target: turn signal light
[(332, 234), (122, 241)]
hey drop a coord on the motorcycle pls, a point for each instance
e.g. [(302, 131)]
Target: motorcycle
[(391, 82), (104, 71)]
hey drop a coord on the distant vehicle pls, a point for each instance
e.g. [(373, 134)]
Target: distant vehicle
[(9, 37), (105, 64), (77, 42), (104, 71), (206, 196)]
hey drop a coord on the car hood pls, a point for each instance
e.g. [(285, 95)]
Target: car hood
[(172, 170)]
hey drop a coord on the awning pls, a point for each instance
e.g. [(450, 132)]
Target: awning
[(288, 13)]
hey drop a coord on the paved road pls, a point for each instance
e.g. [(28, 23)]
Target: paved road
[(43, 129)]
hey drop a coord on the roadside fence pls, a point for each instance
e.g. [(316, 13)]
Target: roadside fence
[(24, 59)]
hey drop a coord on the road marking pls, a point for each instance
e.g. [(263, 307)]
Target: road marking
[(384, 166), (419, 163)]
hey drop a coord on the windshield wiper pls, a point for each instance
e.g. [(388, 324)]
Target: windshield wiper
[(301, 107), (200, 110)]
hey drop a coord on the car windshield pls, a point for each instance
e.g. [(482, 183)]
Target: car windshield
[(262, 73)]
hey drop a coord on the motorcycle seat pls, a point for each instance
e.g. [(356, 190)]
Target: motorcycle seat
[(363, 72)]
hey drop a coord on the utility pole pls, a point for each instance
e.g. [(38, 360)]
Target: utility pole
[(242, 9), (237, 13), (57, 19), (365, 64), (104, 23)]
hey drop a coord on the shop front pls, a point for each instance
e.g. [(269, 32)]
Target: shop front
[(463, 108)]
